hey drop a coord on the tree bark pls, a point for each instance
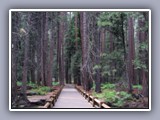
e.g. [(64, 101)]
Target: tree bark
[(60, 47), (76, 31), (15, 23), (49, 82), (46, 50), (25, 62), (143, 57), (42, 47), (131, 53)]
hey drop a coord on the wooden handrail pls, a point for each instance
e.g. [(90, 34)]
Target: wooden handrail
[(53, 98), (92, 99)]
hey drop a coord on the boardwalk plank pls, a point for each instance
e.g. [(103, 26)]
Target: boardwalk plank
[(70, 98)]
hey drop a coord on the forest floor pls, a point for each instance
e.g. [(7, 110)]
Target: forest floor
[(117, 96), (36, 95)]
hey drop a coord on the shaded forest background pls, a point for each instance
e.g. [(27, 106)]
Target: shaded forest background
[(83, 48)]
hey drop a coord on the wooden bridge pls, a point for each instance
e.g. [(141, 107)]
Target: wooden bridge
[(70, 96)]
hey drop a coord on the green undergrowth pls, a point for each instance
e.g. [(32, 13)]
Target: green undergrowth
[(41, 90), (19, 83), (110, 95), (139, 87), (108, 86), (31, 84), (55, 83)]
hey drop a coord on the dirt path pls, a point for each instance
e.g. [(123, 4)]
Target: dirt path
[(70, 98)]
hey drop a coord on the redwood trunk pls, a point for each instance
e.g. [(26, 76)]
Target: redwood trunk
[(60, 48), (42, 47), (25, 64), (49, 82), (131, 53)]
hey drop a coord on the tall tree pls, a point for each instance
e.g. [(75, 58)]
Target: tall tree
[(51, 51), (47, 83), (83, 44), (25, 61), (76, 30), (97, 52), (143, 53), (15, 35), (38, 48), (131, 51), (42, 47), (60, 47)]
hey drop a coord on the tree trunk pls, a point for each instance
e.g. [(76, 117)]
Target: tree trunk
[(102, 47), (15, 20), (76, 31), (97, 80), (112, 63), (83, 40), (49, 82), (25, 64), (60, 47), (46, 50), (42, 47), (131, 53), (143, 57)]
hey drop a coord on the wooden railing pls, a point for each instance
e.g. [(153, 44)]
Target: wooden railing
[(53, 98), (93, 100)]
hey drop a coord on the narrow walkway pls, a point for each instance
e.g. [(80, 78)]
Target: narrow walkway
[(70, 98)]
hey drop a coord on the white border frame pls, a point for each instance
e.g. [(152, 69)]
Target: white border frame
[(54, 10)]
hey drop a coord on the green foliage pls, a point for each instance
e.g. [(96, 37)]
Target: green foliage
[(19, 83), (96, 67), (139, 64), (106, 73), (108, 86), (116, 55), (42, 90), (122, 97), (116, 98), (111, 96), (143, 46), (104, 23), (107, 62), (107, 95), (93, 86), (55, 83), (75, 62), (139, 87), (32, 84), (125, 95)]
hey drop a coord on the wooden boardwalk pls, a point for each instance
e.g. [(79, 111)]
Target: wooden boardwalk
[(71, 98)]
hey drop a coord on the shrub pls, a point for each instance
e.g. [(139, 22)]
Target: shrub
[(55, 83), (42, 90), (110, 96), (139, 87), (19, 83), (115, 98), (32, 84), (108, 86)]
